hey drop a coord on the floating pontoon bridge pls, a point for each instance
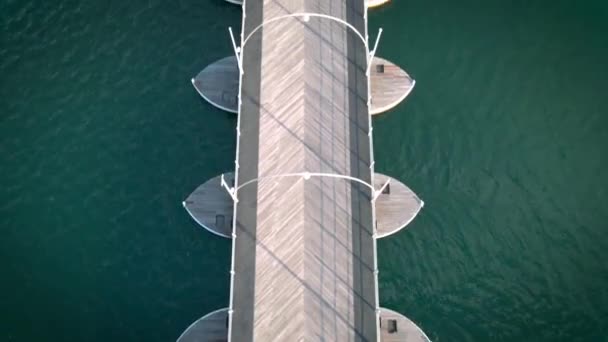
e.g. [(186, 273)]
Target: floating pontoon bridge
[(304, 206)]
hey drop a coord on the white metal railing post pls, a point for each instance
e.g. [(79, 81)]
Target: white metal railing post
[(373, 52), (378, 192), (231, 191), (370, 56), (237, 50)]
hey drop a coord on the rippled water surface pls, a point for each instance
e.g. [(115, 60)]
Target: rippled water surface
[(505, 137)]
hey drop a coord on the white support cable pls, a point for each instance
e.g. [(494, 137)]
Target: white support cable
[(229, 189), (378, 192), (372, 54), (237, 51)]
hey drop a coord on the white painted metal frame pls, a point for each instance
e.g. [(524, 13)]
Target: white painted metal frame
[(373, 53), (233, 191), (237, 51)]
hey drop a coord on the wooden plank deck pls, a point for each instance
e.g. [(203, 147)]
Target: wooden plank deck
[(390, 85), (406, 330), (304, 261), (394, 209), (218, 84), (212, 327), (211, 206)]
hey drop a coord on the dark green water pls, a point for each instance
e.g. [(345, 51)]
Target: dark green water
[(505, 138)]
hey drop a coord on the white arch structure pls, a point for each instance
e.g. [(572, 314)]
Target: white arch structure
[(233, 191), (306, 15)]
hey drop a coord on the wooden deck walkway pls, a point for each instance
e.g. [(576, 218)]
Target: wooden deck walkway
[(218, 83), (304, 253), (394, 327), (211, 206)]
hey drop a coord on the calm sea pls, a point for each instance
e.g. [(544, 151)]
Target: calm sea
[(102, 136)]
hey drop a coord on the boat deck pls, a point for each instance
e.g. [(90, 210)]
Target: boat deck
[(211, 206), (390, 85), (218, 83), (396, 207), (212, 327), (395, 327)]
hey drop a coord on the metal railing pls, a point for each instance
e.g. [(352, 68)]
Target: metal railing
[(370, 57), (238, 53)]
